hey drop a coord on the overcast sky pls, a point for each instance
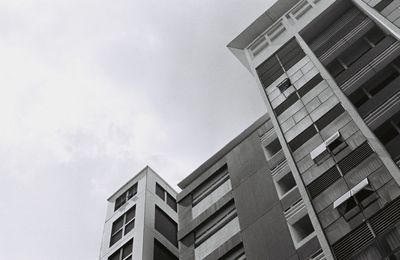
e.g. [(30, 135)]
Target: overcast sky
[(93, 91)]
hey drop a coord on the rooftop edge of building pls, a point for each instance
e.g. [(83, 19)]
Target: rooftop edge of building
[(146, 170), (268, 18), (222, 152)]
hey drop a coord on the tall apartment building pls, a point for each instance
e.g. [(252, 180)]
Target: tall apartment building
[(141, 220), (329, 73), (244, 203)]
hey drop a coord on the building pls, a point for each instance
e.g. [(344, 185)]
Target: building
[(141, 220), (243, 203), (329, 73)]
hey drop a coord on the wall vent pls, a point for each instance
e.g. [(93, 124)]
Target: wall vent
[(352, 242), (323, 182), (386, 217), (355, 157)]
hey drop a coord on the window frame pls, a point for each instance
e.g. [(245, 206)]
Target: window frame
[(123, 228), (125, 197)]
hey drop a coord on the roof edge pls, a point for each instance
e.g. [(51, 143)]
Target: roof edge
[(222, 152)]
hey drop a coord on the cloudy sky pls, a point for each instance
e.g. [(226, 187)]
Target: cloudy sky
[(93, 91)]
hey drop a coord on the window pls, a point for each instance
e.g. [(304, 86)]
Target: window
[(275, 66), (165, 196), (123, 225), (171, 202), (333, 145), (166, 226), (299, 140), (284, 85), (121, 200), (273, 148), (285, 184), (160, 191), (329, 117), (162, 253), (359, 197), (124, 253), (301, 230)]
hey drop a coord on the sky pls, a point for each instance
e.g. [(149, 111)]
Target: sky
[(93, 91)]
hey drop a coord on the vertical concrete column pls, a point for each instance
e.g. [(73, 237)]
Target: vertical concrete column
[(302, 189)]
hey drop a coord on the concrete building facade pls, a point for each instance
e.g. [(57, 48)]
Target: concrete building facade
[(141, 220), (243, 203), (329, 75)]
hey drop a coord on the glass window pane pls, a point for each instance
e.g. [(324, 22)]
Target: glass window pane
[(120, 201), (127, 249), (132, 191), (114, 238), (114, 256), (117, 225), (129, 227), (171, 201), (160, 191), (130, 214)]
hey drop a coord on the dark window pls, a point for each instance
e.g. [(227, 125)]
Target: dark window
[(121, 200), (366, 196), (284, 85), (285, 184), (386, 132), (382, 4), (162, 253), (335, 68), (166, 226), (290, 100), (165, 196), (269, 71), (290, 54), (123, 225), (337, 145), (160, 191), (171, 201), (349, 209), (329, 117), (375, 35), (302, 138), (310, 85), (123, 253)]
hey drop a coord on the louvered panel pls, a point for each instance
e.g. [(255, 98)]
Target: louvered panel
[(352, 242), (336, 27), (279, 168), (386, 217), (353, 34), (355, 157), (382, 109), (267, 135), (294, 209), (323, 182), (300, 9), (394, 48), (318, 256)]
